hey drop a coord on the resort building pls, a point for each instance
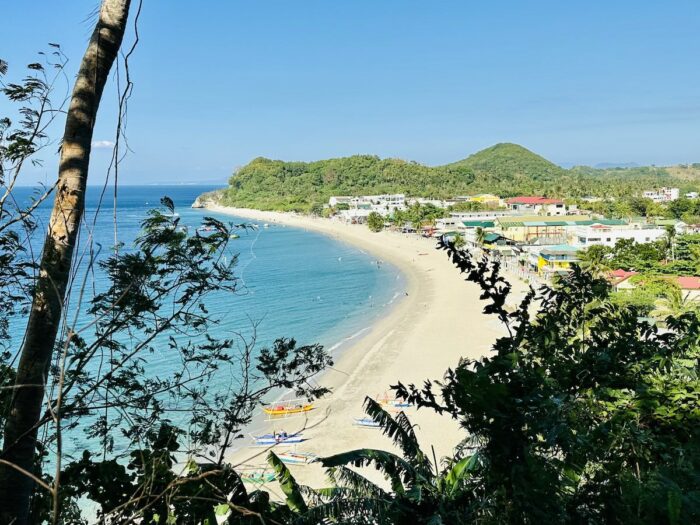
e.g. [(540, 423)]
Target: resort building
[(608, 231), (362, 206), (538, 206), (471, 219), (334, 201), (663, 195)]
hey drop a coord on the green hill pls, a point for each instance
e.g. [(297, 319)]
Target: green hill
[(504, 169)]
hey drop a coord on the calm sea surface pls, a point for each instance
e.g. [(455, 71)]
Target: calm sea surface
[(294, 283)]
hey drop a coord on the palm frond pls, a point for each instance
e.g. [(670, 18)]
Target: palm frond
[(397, 470), (360, 511), (360, 485), (292, 490), (400, 430)]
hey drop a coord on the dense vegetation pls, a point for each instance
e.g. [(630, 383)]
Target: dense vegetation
[(655, 291), (504, 169)]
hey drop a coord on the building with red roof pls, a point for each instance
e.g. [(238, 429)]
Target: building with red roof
[(536, 205)]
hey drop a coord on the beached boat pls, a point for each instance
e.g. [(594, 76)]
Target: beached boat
[(257, 477), (278, 438), (297, 458), (286, 409), (393, 402), (366, 422)]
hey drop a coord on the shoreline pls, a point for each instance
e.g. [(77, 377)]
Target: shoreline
[(427, 331)]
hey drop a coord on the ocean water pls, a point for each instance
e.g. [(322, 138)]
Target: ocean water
[(293, 283)]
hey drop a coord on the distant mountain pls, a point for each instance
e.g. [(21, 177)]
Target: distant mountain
[(504, 169), (608, 165)]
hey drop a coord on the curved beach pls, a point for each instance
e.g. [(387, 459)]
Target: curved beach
[(438, 321)]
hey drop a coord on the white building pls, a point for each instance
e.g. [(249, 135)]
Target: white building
[(361, 207), (663, 195), (692, 195), (584, 236), (539, 206)]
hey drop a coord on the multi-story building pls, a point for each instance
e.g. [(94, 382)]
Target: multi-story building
[(545, 230), (538, 206), (361, 206), (663, 195), (609, 234), (556, 260)]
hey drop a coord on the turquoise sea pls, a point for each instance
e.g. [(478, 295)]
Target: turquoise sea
[(294, 283)]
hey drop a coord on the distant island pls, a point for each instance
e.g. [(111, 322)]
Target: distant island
[(505, 169)]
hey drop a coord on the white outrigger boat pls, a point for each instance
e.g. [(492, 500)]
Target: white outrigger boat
[(297, 458), (277, 438), (366, 422)]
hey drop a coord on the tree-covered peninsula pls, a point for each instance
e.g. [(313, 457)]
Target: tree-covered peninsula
[(505, 169)]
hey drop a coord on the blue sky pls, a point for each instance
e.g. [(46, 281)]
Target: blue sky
[(218, 83)]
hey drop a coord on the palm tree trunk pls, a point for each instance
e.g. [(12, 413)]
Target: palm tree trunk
[(20, 433)]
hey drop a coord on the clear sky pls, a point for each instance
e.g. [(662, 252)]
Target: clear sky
[(218, 83)]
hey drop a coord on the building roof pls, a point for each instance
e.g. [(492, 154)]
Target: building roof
[(617, 276), (560, 249), (537, 220), (533, 200), (491, 237), (689, 283), (478, 224)]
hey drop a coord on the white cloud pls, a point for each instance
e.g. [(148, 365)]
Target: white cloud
[(102, 144)]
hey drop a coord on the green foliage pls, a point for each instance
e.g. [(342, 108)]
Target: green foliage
[(581, 414), (375, 222), (418, 215)]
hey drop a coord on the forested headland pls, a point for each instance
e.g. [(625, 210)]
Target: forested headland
[(504, 169)]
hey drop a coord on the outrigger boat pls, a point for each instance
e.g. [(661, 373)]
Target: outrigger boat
[(286, 409), (297, 458), (393, 403), (278, 438), (367, 422), (257, 477)]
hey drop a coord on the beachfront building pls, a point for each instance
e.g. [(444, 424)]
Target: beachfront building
[(538, 206), (343, 200), (438, 203), (662, 195), (608, 231), (471, 219), (359, 208), (537, 229), (556, 260), (388, 203)]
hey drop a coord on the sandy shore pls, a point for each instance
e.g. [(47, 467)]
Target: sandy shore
[(437, 322)]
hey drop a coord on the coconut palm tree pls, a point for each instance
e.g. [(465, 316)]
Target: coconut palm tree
[(674, 302)]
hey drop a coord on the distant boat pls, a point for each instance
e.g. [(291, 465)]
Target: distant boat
[(286, 409), (297, 458), (366, 422), (278, 439), (234, 236), (266, 225)]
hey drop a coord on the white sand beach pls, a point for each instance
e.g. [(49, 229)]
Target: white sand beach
[(437, 322)]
